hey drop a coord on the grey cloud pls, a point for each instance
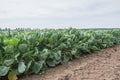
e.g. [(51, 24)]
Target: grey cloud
[(59, 12)]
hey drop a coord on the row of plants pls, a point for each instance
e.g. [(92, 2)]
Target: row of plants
[(33, 51)]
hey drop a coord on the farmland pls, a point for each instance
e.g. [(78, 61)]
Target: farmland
[(25, 52)]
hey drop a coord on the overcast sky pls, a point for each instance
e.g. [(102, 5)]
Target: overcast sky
[(59, 13)]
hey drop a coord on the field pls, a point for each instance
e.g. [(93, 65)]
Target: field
[(26, 52), (102, 65)]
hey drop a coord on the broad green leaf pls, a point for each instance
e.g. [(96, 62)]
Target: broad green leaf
[(73, 51), (21, 67), (28, 53), (4, 70), (12, 41), (37, 67), (23, 47), (9, 49), (57, 55), (44, 54), (63, 46), (8, 62), (66, 58), (51, 63)]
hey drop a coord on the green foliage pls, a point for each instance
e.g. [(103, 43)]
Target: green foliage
[(8, 62), (23, 48), (11, 41), (33, 51), (21, 67), (4, 70), (37, 67)]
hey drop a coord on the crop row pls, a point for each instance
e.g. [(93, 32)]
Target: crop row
[(33, 51)]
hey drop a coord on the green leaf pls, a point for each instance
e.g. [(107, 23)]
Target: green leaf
[(57, 55), (63, 46), (4, 70), (9, 49), (27, 54), (12, 41), (16, 56), (51, 62), (9, 62), (37, 67), (23, 48), (28, 65), (66, 58), (44, 54), (73, 51), (21, 67)]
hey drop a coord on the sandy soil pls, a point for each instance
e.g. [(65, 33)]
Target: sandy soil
[(102, 65)]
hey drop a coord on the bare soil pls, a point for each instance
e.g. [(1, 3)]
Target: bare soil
[(102, 65)]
